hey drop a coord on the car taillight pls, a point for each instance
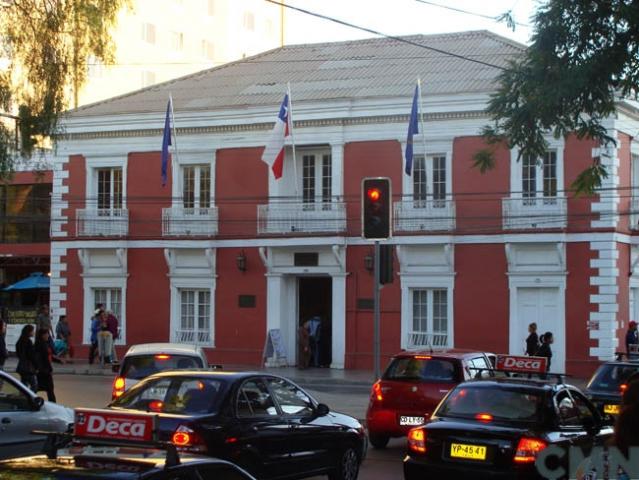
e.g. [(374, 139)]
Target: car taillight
[(417, 440), (484, 417), (377, 392), (528, 449), (118, 387), (188, 439), (623, 387)]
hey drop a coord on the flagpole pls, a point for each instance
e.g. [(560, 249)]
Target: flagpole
[(174, 129), (290, 119)]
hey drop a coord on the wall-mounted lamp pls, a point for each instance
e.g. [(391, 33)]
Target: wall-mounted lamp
[(240, 261), (368, 262)]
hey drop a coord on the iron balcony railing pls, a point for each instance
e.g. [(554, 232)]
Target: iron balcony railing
[(181, 221), (424, 215), (301, 217), (423, 340), (534, 212), (193, 337), (102, 222)]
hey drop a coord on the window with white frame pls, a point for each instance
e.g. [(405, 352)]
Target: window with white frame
[(635, 173), (109, 183), (148, 33), (430, 320), (536, 174), (177, 41), (196, 186), (433, 167), (317, 180), (195, 316), (111, 298)]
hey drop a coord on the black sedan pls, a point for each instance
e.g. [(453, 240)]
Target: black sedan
[(608, 383), (497, 428), (264, 423)]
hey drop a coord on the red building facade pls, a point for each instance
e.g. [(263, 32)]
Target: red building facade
[(224, 253)]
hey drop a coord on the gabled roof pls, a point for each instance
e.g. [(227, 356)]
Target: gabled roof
[(376, 67)]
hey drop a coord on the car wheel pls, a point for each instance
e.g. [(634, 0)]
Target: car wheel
[(378, 441), (347, 467)]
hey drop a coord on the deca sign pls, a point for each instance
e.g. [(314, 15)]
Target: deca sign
[(110, 425), (521, 364)]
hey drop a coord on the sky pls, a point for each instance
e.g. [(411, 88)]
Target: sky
[(404, 17)]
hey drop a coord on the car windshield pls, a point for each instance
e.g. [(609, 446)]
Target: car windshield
[(499, 403), (175, 394), (421, 368), (611, 377), (137, 367)]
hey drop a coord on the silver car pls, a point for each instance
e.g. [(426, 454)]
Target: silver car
[(21, 412)]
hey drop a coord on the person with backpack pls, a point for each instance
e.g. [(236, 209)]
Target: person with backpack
[(27, 366)]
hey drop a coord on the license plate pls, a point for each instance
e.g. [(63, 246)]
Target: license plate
[(471, 452), (406, 420), (611, 409)]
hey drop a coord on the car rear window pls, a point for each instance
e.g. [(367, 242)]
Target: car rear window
[(174, 394), (137, 367), (421, 368), (611, 377), (518, 405)]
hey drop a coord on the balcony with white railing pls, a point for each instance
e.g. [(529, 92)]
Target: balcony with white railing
[(424, 215), (301, 217), (193, 337), (422, 341), (534, 212), (102, 222), (181, 221), (634, 213)]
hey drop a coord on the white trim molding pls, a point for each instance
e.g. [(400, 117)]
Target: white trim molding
[(603, 323)]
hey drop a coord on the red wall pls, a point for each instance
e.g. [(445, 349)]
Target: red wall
[(241, 183), (76, 198), (75, 301), (478, 197), (578, 157), (481, 297), (625, 182), (623, 297), (369, 159)]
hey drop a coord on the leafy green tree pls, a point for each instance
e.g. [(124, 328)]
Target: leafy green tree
[(583, 58), (44, 45)]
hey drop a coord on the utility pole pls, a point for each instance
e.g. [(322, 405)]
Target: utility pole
[(376, 316)]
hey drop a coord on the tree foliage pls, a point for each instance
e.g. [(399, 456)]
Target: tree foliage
[(46, 44), (584, 56)]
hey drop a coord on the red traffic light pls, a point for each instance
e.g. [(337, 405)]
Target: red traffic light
[(374, 194)]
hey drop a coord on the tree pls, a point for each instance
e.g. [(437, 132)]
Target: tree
[(583, 58), (46, 44)]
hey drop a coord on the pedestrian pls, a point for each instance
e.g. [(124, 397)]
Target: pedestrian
[(544, 349), (314, 329), (3, 343), (43, 322), (304, 346), (44, 357), (95, 328), (532, 342), (632, 339), (105, 340), (25, 352), (114, 328), (63, 334)]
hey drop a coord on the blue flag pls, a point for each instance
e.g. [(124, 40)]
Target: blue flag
[(413, 128), (166, 141)]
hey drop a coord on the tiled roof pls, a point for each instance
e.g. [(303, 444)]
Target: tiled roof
[(377, 67)]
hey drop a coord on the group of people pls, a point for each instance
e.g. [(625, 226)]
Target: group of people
[(310, 343), (104, 332), (537, 346), (35, 360)]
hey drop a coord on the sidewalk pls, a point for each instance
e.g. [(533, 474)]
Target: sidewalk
[(307, 377)]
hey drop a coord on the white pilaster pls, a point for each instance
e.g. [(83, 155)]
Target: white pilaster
[(338, 321)]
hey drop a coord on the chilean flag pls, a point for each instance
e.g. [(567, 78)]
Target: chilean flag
[(274, 151)]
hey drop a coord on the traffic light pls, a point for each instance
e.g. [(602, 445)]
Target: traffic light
[(376, 208)]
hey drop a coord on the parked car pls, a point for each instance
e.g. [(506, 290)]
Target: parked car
[(608, 383), (413, 385), (497, 428), (264, 423), (21, 412), (146, 359)]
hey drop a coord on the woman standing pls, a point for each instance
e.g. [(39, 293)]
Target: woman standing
[(44, 357), (27, 358), (532, 342), (545, 350)]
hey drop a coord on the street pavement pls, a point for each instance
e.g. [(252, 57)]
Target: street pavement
[(94, 391)]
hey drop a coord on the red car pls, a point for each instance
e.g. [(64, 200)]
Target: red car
[(413, 385)]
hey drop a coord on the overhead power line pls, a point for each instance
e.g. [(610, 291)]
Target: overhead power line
[(467, 12), (381, 34)]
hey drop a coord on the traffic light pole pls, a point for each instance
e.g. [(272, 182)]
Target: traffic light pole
[(376, 321)]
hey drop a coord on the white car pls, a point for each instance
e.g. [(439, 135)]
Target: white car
[(21, 412), (146, 359)]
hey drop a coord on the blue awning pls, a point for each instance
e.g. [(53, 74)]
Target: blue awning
[(35, 281)]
